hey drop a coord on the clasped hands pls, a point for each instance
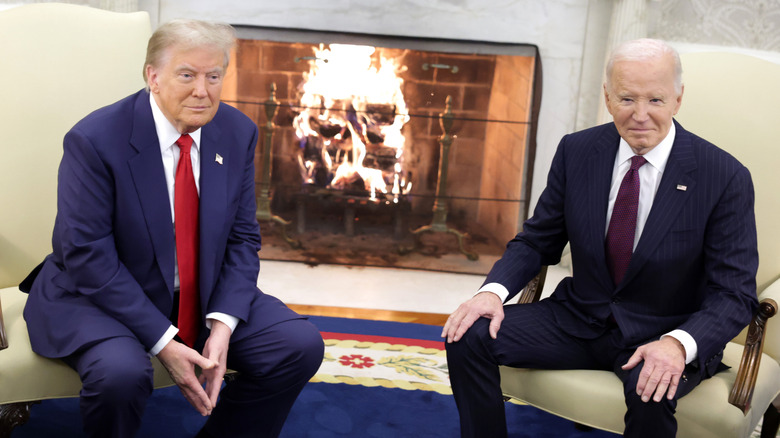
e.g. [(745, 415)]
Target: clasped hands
[(663, 361), (181, 360)]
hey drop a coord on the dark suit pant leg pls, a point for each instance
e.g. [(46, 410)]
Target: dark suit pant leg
[(651, 419), (117, 378), (273, 367), (529, 337)]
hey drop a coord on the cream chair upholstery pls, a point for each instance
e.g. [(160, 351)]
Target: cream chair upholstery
[(60, 62), (731, 100)]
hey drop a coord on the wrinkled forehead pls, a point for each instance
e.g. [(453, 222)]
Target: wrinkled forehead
[(192, 55), (660, 70), (651, 71)]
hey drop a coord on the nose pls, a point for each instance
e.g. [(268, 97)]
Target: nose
[(199, 87), (640, 111)]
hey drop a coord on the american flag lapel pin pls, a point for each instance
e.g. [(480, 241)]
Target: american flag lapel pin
[(218, 159), (680, 187)]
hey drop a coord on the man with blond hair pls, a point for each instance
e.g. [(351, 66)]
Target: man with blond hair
[(664, 255), (155, 254)]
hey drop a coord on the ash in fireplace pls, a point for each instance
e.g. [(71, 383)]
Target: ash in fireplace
[(374, 245)]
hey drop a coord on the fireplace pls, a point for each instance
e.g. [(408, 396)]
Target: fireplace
[(367, 165)]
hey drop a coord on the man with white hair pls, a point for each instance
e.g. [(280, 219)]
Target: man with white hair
[(664, 254)]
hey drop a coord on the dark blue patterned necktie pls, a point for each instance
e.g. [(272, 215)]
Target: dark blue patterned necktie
[(622, 225)]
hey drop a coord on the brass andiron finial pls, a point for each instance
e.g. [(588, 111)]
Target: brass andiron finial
[(264, 200), (439, 223)]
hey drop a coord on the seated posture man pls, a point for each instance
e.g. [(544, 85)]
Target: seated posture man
[(155, 254), (663, 246)]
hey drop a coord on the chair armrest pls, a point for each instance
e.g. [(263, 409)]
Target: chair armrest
[(3, 337), (533, 290), (742, 391)]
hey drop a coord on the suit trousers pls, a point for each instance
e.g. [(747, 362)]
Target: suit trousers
[(529, 337), (273, 366)]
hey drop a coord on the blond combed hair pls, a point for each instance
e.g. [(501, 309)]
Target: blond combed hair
[(187, 34)]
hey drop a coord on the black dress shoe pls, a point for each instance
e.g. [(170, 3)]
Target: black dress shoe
[(204, 434)]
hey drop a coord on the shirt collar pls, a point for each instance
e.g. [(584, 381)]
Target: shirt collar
[(657, 156), (166, 132)]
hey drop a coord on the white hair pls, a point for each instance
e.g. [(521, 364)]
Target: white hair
[(642, 50)]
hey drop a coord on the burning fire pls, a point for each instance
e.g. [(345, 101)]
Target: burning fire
[(350, 126)]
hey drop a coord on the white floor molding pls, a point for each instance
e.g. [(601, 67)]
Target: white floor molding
[(367, 287), (408, 290)]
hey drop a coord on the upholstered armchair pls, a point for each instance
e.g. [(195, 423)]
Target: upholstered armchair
[(60, 62), (731, 100)]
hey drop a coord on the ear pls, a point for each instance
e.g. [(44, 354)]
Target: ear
[(152, 79), (679, 99), (606, 99)]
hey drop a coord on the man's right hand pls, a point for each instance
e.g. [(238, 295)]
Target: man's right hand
[(484, 304), (180, 361)]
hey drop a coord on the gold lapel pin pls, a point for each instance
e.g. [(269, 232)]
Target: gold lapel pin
[(680, 187), (218, 159)]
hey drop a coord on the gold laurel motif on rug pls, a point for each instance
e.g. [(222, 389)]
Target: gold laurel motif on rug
[(383, 364)]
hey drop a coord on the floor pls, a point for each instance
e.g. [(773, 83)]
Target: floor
[(406, 295), (387, 294)]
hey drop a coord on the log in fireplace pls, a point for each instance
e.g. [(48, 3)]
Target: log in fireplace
[(357, 129)]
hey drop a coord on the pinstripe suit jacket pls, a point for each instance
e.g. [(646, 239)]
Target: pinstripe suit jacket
[(694, 266)]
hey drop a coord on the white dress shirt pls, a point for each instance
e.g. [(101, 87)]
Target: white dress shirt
[(167, 136), (649, 179)]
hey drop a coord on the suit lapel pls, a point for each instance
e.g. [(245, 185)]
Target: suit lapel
[(213, 198), (148, 176), (669, 200), (600, 165)]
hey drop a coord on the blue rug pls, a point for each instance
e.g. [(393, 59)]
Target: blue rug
[(326, 410)]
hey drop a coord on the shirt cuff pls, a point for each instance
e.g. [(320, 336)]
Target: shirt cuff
[(688, 343), (497, 289), (228, 320), (166, 337)]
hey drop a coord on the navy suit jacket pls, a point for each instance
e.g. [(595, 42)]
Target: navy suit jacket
[(111, 272), (694, 266)]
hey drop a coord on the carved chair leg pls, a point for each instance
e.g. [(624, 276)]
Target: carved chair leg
[(12, 415), (771, 423)]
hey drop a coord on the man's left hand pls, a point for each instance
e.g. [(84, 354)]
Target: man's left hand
[(216, 349), (664, 362)]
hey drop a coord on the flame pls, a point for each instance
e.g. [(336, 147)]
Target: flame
[(339, 124)]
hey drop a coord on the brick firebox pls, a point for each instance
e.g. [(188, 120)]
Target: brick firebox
[(495, 94)]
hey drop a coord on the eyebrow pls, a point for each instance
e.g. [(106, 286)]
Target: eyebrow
[(189, 67)]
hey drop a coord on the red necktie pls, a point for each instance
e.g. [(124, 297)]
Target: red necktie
[(622, 225), (185, 206)]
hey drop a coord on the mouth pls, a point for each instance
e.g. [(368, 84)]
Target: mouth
[(197, 108)]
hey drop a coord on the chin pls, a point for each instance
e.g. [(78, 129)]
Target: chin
[(637, 145), (198, 123)]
